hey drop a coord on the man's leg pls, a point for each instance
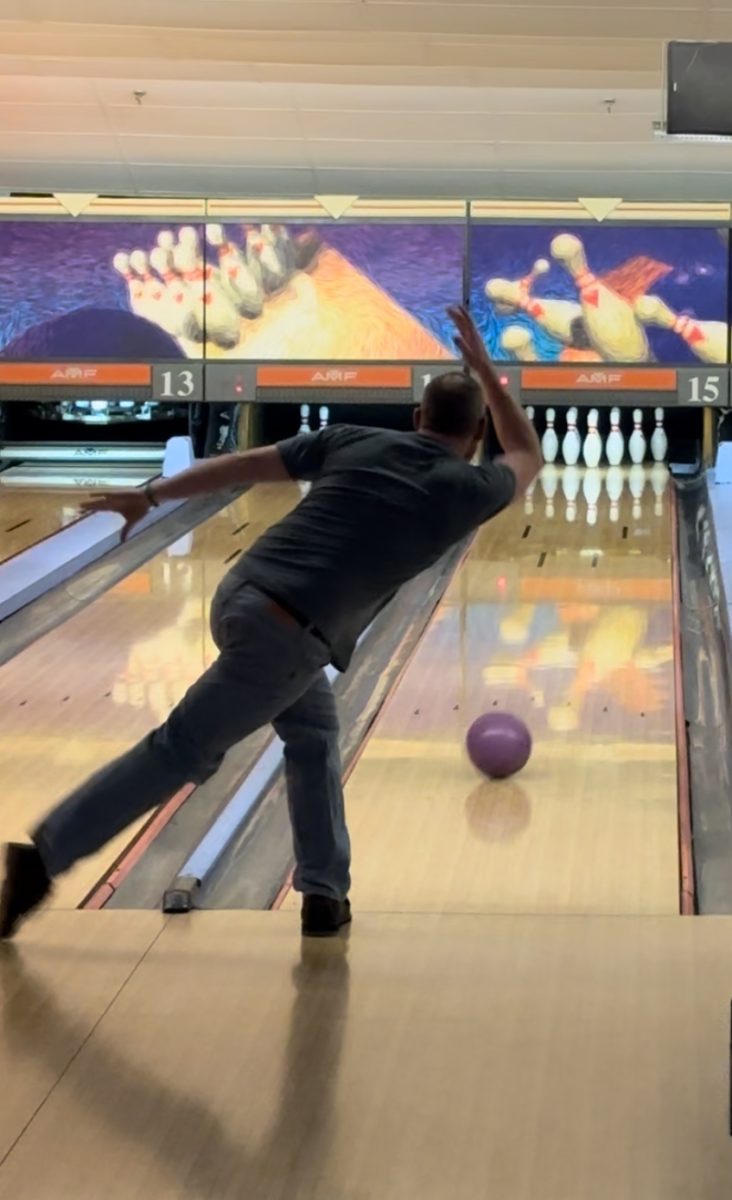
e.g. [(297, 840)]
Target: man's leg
[(309, 730), (264, 666)]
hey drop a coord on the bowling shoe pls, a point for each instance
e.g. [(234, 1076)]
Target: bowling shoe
[(322, 916), (25, 886)]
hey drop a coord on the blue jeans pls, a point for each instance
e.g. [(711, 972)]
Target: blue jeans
[(269, 670)]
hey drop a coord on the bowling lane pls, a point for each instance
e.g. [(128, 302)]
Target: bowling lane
[(30, 514), (569, 625), (92, 687)]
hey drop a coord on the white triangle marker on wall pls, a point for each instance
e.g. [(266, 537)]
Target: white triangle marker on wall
[(600, 207), (336, 206), (75, 202)]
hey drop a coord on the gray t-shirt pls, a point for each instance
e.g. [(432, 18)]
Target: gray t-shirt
[(384, 506)]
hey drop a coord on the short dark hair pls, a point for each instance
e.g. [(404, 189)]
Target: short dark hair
[(453, 405)]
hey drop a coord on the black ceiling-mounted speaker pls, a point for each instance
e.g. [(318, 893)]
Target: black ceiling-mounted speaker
[(699, 89)]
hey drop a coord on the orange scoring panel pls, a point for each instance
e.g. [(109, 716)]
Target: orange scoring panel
[(76, 374), (638, 379), (336, 377)]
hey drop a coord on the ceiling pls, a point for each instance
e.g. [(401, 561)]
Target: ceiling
[(364, 97)]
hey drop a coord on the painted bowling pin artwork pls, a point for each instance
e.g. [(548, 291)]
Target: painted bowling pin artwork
[(558, 318), (707, 339), (610, 320), (244, 287), (518, 341)]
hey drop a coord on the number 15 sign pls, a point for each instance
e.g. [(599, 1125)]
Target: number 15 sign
[(700, 386)]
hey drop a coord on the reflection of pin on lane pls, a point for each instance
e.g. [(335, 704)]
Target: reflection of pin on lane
[(614, 483), (519, 342), (708, 339), (591, 490), (549, 484), (610, 321), (570, 487), (659, 483)]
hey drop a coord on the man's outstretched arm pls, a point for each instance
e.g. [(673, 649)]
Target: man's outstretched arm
[(263, 465)]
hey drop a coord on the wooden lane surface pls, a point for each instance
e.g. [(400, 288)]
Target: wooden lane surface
[(570, 627), (28, 516), (91, 688), (73, 957), (533, 1058)]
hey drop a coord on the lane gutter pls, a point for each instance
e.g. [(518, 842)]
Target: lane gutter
[(687, 884)]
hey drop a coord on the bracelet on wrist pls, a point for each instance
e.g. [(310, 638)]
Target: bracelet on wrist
[(150, 495)]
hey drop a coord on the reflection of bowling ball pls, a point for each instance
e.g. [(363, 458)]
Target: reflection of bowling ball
[(498, 812), (498, 744)]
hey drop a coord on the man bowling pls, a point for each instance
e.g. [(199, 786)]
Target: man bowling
[(383, 507)]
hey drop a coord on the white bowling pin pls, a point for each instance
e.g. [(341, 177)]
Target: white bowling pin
[(611, 322), (571, 443), (550, 441), (614, 483), (244, 286), (304, 418), (659, 483), (637, 484), (519, 342), (549, 483), (570, 486), (592, 446), (323, 416), (615, 445), (659, 441), (637, 443), (707, 339), (591, 490)]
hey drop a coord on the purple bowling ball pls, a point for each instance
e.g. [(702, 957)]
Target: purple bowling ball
[(499, 744)]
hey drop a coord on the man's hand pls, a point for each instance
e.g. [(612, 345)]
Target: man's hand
[(468, 340), (130, 503)]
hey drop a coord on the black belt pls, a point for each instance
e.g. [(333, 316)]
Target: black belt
[(287, 611)]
